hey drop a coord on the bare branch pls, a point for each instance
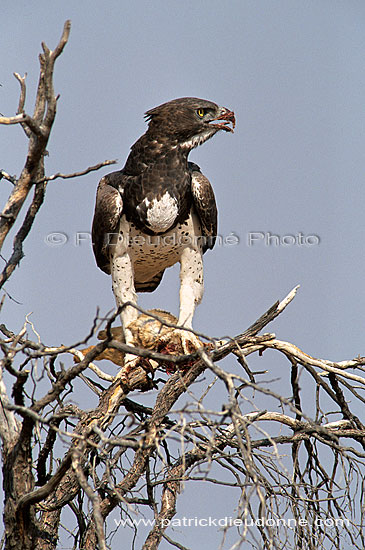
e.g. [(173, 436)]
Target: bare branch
[(99, 523), (63, 41), (9, 428), (7, 176), (203, 443), (26, 120), (38, 199), (23, 90), (22, 234), (40, 127), (78, 174), (21, 105), (103, 375), (303, 358)]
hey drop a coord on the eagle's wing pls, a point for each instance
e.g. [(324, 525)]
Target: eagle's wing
[(108, 210), (205, 205)]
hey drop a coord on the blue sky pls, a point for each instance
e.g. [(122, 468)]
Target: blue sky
[(294, 74)]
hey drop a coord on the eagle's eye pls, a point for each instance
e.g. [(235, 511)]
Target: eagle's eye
[(201, 112)]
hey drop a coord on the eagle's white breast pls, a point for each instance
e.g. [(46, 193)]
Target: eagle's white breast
[(161, 213)]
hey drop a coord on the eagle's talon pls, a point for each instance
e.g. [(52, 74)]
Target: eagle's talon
[(137, 372), (131, 363), (180, 342), (189, 341)]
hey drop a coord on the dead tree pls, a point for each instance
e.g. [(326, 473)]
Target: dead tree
[(299, 472)]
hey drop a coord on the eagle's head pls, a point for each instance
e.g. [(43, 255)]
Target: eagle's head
[(189, 120)]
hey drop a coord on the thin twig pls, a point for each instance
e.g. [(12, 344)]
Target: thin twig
[(7, 176), (78, 174)]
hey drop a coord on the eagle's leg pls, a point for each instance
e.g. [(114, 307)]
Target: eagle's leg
[(191, 293), (124, 291)]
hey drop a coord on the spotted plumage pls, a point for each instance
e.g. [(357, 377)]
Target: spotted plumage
[(160, 209)]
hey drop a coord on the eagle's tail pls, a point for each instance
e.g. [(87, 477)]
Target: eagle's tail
[(151, 285)]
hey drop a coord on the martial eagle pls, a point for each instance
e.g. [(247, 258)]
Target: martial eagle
[(159, 210)]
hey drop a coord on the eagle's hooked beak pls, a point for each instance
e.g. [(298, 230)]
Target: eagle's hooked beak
[(227, 116)]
